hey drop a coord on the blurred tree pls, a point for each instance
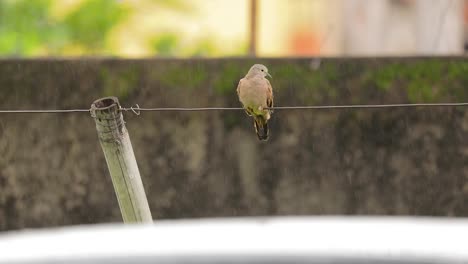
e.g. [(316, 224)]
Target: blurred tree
[(26, 27), (89, 24), (166, 44), (84, 27), (172, 44), (206, 46), (175, 5)]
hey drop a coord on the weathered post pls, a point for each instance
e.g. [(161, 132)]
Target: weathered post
[(123, 168)]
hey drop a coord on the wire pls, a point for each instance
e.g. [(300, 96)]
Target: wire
[(137, 110), (316, 107), (369, 106), (43, 111), (183, 109)]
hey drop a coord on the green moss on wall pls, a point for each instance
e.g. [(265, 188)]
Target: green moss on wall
[(120, 83)]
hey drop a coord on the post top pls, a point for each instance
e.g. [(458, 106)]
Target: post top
[(105, 108), (105, 103)]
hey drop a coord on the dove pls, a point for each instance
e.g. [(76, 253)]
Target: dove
[(256, 95)]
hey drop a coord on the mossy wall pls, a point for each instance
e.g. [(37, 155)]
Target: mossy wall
[(205, 164)]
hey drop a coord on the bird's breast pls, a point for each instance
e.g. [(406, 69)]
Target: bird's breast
[(254, 94)]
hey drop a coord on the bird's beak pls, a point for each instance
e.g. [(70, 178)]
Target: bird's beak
[(269, 75)]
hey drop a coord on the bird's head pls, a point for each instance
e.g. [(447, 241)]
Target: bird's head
[(258, 70)]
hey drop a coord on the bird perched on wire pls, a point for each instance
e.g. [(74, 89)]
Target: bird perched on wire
[(256, 95)]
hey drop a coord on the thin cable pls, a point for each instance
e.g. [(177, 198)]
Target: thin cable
[(369, 106), (190, 109), (43, 111), (182, 109), (136, 110)]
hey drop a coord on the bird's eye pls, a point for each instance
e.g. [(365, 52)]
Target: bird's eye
[(262, 69)]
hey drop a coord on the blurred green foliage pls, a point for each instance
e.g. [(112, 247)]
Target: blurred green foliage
[(171, 44), (26, 26), (166, 44), (91, 22), (30, 28)]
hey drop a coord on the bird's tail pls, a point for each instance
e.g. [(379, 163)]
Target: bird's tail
[(261, 127)]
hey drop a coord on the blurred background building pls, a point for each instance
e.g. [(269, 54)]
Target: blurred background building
[(142, 28)]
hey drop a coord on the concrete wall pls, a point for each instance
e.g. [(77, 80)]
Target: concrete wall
[(203, 164)]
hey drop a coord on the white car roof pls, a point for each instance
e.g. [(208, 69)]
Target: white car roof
[(389, 238)]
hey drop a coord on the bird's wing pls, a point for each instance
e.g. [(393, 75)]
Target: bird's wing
[(269, 95), (247, 111), (239, 86)]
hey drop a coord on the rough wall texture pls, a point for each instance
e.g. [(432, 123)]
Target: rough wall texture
[(204, 164)]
